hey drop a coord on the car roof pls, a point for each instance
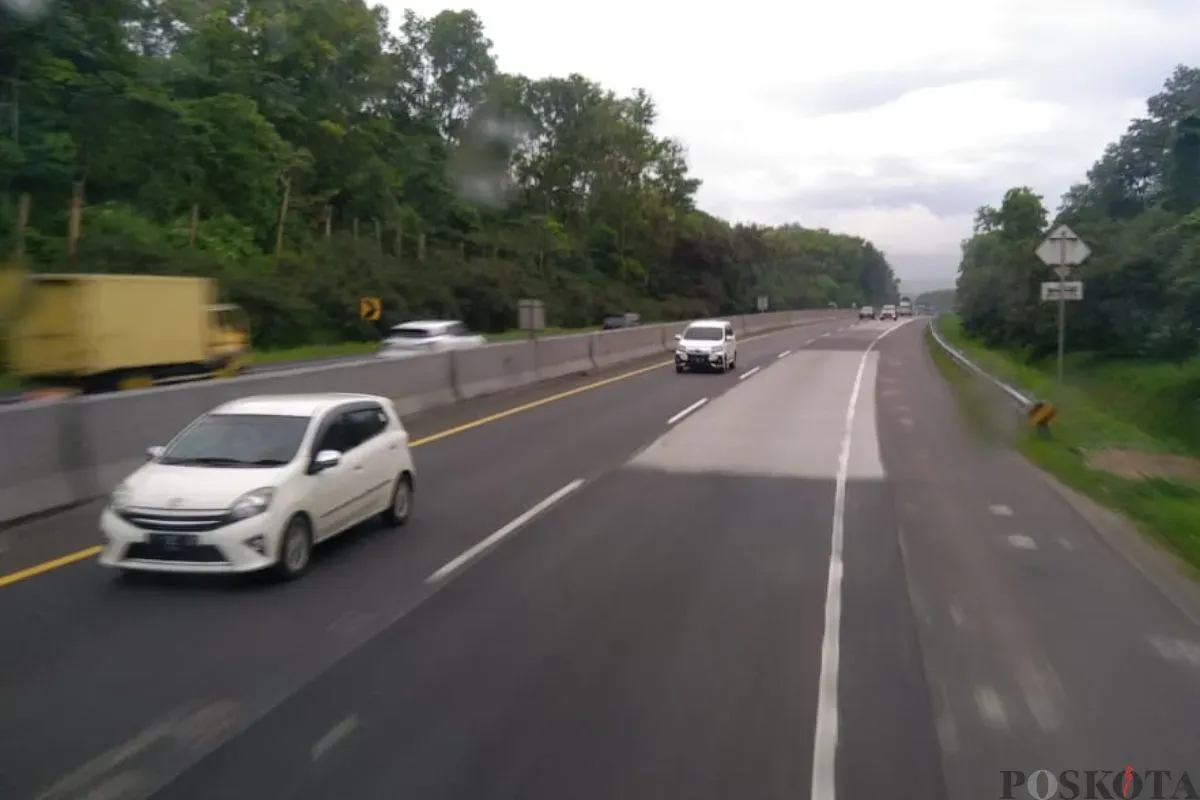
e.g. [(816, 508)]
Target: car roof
[(708, 323), (425, 323), (293, 405)]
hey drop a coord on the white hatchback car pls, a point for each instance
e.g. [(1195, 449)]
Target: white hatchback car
[(708, 344), (429, 336), (255, 483)]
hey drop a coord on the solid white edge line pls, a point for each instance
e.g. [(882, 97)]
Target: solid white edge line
[(748, 373), (825, 739), (788, 352), (491, 541), (687, 411)]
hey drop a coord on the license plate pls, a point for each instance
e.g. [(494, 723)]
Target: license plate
[(173, 541)]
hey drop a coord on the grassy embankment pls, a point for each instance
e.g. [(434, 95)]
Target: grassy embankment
[(1130, 415)]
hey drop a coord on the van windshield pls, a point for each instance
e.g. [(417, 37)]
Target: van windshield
[(704, 333)]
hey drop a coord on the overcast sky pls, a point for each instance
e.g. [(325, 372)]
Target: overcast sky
[(890, 120)]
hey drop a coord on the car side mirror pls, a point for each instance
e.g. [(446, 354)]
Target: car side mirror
[(326, 459), (153, 452), (679, 337)]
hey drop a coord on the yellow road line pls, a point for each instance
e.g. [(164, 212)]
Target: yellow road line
[(46, 566), (508, 412), (88, 552)]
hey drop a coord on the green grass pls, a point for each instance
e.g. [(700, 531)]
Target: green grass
[(1145, 407)]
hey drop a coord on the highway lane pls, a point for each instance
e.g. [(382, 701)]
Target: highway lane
[(1045, 648), (662, 632), (64, 534), (659, 634), (171, 666)]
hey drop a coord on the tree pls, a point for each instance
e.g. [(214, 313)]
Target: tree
[(1138, 210), (398, 163)]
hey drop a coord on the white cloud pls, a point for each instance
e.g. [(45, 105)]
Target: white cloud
[(830, 114)]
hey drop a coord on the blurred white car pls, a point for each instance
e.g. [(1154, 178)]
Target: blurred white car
[(255, 483), (888, 312), (427, 336)]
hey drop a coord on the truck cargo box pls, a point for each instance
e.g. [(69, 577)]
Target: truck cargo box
[(80, 325)]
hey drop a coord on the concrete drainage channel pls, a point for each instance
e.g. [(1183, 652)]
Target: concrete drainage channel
[(67, 452)]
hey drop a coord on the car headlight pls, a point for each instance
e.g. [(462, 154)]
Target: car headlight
[(119, 499), (252, 503), (679, 351)]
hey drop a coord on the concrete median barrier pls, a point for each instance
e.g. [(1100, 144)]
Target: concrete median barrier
[(486, 370), (559, 356), (63, 452)]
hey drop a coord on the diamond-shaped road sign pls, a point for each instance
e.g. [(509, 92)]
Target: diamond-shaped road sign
[(1063, 248)]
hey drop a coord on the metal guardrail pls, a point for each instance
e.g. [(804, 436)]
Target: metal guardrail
[(1022, 399)]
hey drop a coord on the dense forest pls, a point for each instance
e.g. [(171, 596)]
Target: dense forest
[(940, 301), (308, 152), (1139, 211)]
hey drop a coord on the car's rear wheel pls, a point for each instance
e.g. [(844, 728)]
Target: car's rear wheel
[(295, 549), (402, 502)]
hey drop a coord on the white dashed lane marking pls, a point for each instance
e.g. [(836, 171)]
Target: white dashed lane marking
[(335, 735), (687, 411), (990, 708)]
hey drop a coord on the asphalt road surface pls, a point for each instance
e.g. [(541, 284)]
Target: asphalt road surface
[(816, 583)]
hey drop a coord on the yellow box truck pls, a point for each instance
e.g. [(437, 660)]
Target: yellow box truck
[(98, 333)]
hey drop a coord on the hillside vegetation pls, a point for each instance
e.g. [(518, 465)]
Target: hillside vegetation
[(1139, 210), (1129, 422), (1135, 337), (400, 160)]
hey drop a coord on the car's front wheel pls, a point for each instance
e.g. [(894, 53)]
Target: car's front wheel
[(402, 502), (295, 549)]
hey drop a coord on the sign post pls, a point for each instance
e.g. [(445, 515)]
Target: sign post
[(531, 316), (1063, 249), (763, 303)]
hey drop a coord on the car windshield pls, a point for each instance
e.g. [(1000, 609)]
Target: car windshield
[(704, 333), (238, 440), (411, 333)]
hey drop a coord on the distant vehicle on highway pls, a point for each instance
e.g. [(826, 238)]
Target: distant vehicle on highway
[(255, 483), (866, 312), (427, 336), (905, 308), (617, 321), (708, 344), (887, 312)]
